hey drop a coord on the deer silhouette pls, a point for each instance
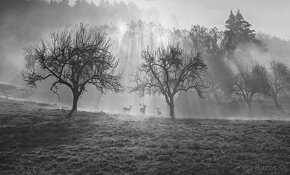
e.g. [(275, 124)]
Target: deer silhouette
[(142, 109), (127, 109), (158, 112)]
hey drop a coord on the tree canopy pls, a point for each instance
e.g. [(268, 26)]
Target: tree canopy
[(250, 81), (76, 59), (168, 71)]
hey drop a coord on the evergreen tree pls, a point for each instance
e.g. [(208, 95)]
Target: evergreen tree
[(230, 23), (238, 31), (243, 31)]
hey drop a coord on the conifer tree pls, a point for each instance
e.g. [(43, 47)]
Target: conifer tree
[(238, 32)]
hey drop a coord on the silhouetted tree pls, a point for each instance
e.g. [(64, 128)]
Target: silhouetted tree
[(251, 81), (279, 80), (168, 71), (76, 59), (238, 32)]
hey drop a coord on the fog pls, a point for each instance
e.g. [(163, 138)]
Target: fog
[(131, 30), (25, 22)]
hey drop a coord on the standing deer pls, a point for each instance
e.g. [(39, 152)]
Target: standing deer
[(158, 112), (142, 109), (127, 109)]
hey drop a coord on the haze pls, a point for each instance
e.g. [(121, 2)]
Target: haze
[(24, 23), (266, 16)]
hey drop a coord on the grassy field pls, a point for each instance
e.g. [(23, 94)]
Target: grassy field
[(34, 140)]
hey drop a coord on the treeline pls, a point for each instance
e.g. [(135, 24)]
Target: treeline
[(27, 19), (23, 21), (229, 76)]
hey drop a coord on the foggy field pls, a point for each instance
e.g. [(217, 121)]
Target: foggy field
[(43, 141), (144, 87)]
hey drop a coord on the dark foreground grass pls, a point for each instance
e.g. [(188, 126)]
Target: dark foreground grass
[(36, 141)]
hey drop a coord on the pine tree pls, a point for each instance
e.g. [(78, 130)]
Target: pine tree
[(243, 31), (230, 23), (238, 31)]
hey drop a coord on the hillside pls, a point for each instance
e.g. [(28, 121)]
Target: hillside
[(37, 139)]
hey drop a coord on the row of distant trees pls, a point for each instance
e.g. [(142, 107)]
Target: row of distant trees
[(32, 18), (23, 21), (249, 80), (256, 79), (81, 57)]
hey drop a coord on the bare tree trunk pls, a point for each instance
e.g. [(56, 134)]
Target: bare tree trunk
[(75, 104), (171, 106)]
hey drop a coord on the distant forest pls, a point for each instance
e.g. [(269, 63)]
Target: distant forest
[(23, 21)]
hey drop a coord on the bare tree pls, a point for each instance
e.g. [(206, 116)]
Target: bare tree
[(279, 80), (76, 59), (242, 86), (168, 71), (251, 81)]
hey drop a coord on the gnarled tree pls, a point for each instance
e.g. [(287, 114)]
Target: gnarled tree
[(76, 59), (250, 81), (168, 71), (279, 80)]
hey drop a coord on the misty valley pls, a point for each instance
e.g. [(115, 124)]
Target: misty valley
[(123, 87)]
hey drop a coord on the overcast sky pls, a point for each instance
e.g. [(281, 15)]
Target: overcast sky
[(267, 16)]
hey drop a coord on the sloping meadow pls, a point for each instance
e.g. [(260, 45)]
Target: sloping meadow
[(35, 140)]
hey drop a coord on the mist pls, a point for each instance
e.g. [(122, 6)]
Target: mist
[(25, 22), (131, 30), (144, 87)]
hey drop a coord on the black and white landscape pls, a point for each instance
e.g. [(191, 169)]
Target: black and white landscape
[(144, 87)]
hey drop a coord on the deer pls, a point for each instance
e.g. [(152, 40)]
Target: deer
[(142, 109), (127, 109), (158, 112)]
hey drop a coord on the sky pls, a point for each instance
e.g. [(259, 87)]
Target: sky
[(267, 16)]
